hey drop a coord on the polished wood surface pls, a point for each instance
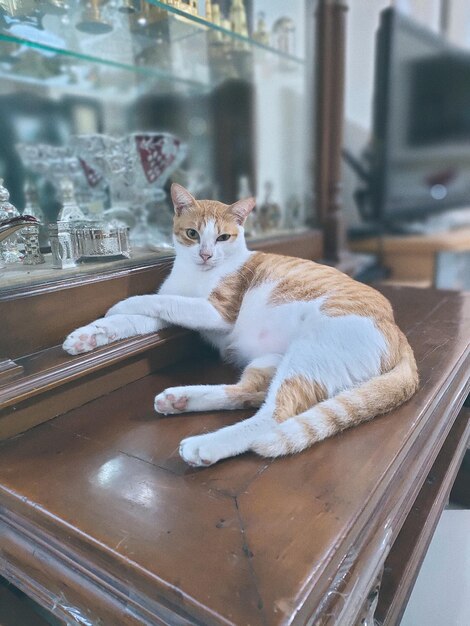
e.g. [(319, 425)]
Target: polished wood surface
[(101, 520), (53, 382)]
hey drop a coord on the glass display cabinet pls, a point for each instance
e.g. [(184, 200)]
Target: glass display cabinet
[(105, 103)]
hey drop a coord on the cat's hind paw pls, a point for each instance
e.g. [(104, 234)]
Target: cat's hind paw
[(170, 402), (88, 338), (201, 451)]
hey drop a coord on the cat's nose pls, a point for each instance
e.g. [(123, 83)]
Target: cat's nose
[(205, 256)]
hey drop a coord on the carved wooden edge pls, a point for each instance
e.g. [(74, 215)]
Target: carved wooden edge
[(31, 561), (402, 566), (8, 370), (66, 282), (384, 515), (48, 393), (309, 239), (66, 369)]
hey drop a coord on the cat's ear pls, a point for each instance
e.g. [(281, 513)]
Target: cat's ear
[(241, 209), (181, 197)]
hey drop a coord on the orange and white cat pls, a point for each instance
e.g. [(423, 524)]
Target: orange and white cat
[(320, 351)]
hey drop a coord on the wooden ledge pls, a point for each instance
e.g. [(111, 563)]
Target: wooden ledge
[(53, 367), (50, 382), (36, 317)]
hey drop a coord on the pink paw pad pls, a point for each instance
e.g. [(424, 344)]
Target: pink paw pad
[(180, 403), (161, 405), (89, 340), (170, 401)]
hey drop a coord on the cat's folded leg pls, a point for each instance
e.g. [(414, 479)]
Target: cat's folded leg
[(250, 391), (108, 329), (204, 450), (193, 313)]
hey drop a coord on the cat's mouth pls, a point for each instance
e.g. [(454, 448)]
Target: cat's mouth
[(206, 265)]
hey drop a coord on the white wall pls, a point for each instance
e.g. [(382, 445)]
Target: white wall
[(441, 596), (459, 23), (362, 23)]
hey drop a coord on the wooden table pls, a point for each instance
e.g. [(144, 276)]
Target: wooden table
[(102, 523), (412, 258)]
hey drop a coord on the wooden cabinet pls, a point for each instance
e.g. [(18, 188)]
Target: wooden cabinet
[(412, 259), (102, 522)]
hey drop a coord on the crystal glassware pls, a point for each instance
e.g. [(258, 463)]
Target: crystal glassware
[(57, 163), (136, 167), (9, 249), (32, 252)]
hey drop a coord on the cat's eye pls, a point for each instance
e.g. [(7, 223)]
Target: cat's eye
[(224, 237), (192, 234)]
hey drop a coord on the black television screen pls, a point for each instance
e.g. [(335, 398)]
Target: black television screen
[(439, 101), (421, 127)]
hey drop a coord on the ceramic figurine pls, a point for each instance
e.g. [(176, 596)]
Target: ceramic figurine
[(269, 213), (70, 209), (294, 217), (261, 34), (244, 191), (32, 207), (92, 21), (238, 18), (284, 35), (208, 14)]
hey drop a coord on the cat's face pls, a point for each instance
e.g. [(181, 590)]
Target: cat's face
[(207, 232)]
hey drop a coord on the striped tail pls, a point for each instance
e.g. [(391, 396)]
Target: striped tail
[(349, 408)]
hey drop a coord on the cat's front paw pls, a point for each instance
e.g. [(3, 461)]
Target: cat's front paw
[(88, 338), (202, 450), (171, 401)]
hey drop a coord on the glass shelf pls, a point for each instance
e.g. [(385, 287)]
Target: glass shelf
[(18, 65), (202, 22), (240, 110), (160, 42)]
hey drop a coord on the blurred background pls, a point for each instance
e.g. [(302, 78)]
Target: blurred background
[(407, 138), (120, 98)]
